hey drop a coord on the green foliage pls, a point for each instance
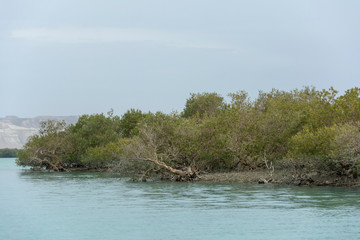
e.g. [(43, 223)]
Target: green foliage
[(158, 131), (213, 144), (203, 104), (93, 131), (348, 105), (103, 156), (129, 122), (46, 149), (314, 143), (335, 148), (9, 153), (347, 140), (283, 118), (51, 128), (58, 146), (305, 125)]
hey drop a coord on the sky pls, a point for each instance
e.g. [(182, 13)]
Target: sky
[(74, 57)]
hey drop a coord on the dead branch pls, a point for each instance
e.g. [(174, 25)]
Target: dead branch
[(187, 174), (269, 167)]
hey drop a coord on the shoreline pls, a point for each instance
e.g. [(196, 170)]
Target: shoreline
[(279, 177)]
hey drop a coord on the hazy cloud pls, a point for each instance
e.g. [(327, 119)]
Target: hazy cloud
[(105, 35)]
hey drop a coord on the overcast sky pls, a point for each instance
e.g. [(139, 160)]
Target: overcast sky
[(71, 57)]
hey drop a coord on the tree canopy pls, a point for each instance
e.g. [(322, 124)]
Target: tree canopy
[(305, 126)]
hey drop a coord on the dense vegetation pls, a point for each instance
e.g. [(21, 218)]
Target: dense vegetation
[(304, 130), (8, 153)]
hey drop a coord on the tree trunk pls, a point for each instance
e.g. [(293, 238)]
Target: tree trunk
[(53, 166), (44, 155), (186, 175)]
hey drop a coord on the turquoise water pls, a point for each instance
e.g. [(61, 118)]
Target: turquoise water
[(105, 206)]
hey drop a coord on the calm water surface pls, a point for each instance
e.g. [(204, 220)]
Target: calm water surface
[(104, 206)]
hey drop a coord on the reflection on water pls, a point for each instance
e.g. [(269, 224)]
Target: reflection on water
[(202, 195), (106, 206)]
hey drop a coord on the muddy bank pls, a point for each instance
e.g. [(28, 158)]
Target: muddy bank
[(280, 177), (261, 176)]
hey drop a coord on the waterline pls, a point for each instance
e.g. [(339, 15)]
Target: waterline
[(106, 206)]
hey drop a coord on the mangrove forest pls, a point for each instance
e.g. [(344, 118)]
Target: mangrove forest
[(303, 131)]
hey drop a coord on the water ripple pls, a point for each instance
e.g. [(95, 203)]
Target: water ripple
[(106, 206)]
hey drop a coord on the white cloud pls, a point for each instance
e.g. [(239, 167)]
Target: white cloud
[(105, 35)]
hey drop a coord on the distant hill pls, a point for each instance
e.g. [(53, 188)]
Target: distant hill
[(14, 131)]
